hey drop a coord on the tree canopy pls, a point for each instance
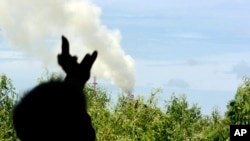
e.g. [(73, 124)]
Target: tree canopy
[(141, 118)]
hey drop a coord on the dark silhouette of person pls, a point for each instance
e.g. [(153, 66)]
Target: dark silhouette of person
[(56, 110)]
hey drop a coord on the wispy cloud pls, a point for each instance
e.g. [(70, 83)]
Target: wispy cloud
[(193, 62), (204, 73), (188, 63), (179, 83), (189, 35), (241, 69)]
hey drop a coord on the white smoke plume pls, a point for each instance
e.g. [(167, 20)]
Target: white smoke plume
[(36, 27)]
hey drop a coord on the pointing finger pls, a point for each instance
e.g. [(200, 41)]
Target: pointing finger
[(65, 46)]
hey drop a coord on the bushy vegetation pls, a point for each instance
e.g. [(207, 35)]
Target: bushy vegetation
[(7, 97), (141, 119)]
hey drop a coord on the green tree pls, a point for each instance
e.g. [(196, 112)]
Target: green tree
[(7, 99), (183, 121), (138, 119), (239, 108), (217, 128), (97, 104)]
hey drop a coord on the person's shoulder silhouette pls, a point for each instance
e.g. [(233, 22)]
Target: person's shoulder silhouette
[(56, 110)]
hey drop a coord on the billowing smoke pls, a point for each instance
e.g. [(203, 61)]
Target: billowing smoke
[(36, 26)]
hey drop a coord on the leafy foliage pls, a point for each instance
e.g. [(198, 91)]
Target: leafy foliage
[(7, 97), (141, 119), (239, 108)]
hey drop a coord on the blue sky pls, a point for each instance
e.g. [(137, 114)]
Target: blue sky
[(200, 48)]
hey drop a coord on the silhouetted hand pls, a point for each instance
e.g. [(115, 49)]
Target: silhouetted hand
[(77, 73)]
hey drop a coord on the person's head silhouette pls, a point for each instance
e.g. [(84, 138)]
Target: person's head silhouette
[(56, 110)]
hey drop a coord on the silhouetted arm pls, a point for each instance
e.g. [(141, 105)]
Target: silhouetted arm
[(77, 73)]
